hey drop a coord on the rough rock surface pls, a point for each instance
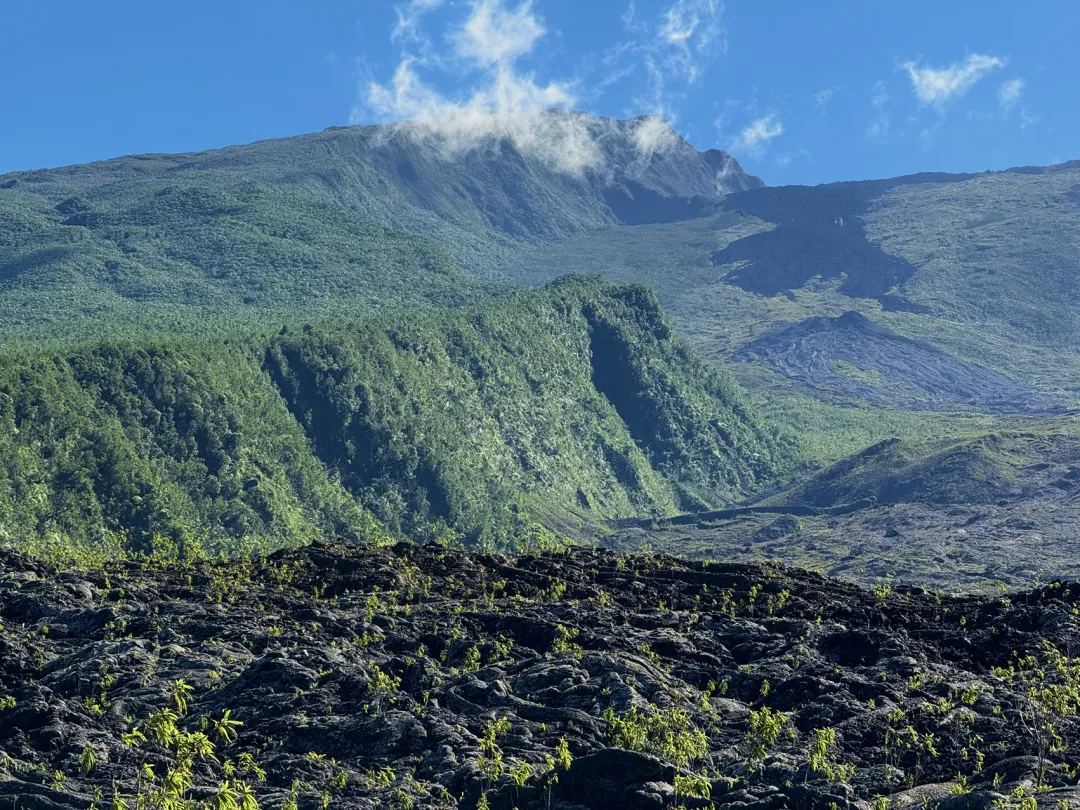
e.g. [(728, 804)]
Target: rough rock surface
[(423, 677), (887, 368)]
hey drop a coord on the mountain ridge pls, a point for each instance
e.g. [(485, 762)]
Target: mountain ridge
[(339, 222)]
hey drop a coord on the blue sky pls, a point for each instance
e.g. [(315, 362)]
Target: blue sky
[(799, 92)]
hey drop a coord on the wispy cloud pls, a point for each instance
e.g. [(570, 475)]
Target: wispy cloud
[(880, 120), (823, 97), (691, 31), (670, 51), (754, 139), (409, 16), (1029, 120), (940, 85), (1009, 93), (787, 158), (484, 50)]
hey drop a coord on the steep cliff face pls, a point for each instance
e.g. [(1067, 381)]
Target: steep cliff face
[(573, 404)]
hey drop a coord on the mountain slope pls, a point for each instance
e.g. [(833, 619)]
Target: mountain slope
[(569, 405), (339, 222), (980, 267), (975, 512)]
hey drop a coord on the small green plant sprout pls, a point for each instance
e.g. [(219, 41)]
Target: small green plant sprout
[(960, 786), (384, 688), (557, 591), (562, 754), (384, 777), (6, 703), (651, 654), (292, 800), (491, 755), (881, 803), (1050, 688), (751, 597), (692, 786), (819, 756), (884, 589), (670, 735), (247, 765), (472, 660), (521, 773), (161, 726), (340, 779), (766, 726), (565, 640), (133, 738), (181, 693), (226, 727), (87, 761)]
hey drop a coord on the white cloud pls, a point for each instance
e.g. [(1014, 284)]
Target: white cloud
[(508, 106), (653, 134), (691, 33), (504, 103), (755, 138), (823, 97), (786, 159), (939, 85), (672, 50), (408, 18), (1009, 93), (1029, 120), (493, 34), (483, 53), (880, 120)]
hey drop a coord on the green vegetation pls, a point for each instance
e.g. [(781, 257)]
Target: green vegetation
[(204, 256), (573, 404), (671, 735), (766, 726), (335, 223), (185, 443), (980, 468), (1049, 683), (376, 412)]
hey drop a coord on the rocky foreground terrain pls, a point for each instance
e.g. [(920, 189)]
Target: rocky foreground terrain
[(345, 676)]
